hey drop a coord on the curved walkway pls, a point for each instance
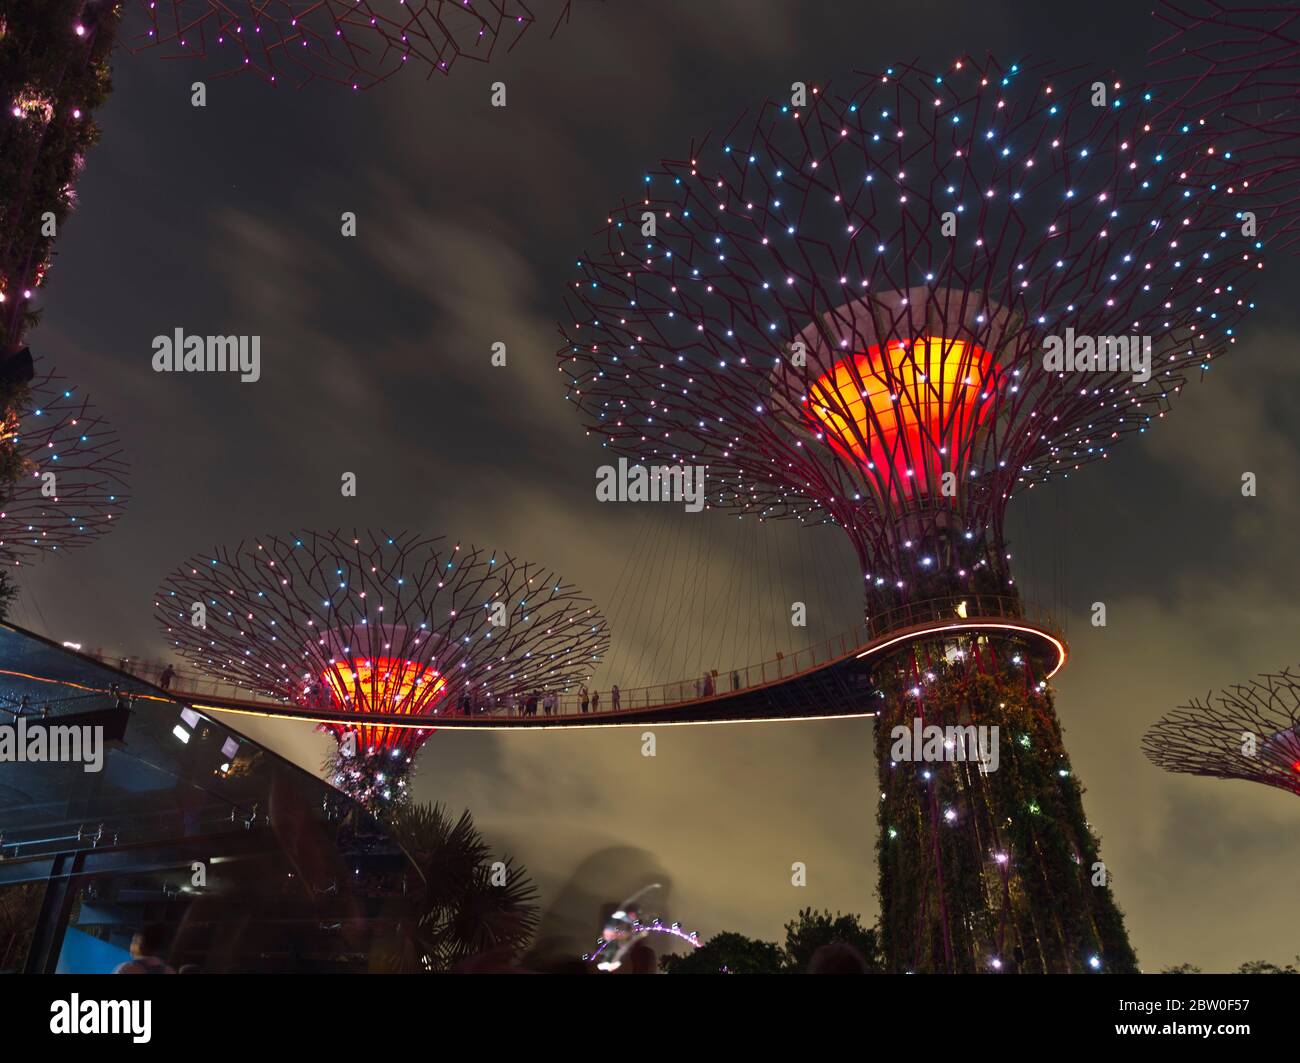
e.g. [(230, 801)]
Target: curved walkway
[(828, 680)]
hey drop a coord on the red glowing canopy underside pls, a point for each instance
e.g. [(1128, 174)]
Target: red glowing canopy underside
[(905, 413), (386, 687)]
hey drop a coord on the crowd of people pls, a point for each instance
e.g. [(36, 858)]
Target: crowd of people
[(527, 702)]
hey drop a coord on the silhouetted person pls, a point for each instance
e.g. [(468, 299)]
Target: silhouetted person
[(586, 700), (614, 697), (837, 958), (147, 947), (735, 680), (595, 701), (165, 680)]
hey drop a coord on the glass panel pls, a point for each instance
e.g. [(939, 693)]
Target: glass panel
[(291, 874)]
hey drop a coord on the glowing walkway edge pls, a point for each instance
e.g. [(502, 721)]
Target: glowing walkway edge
[(446, 724), (976, 625), (450, 723)]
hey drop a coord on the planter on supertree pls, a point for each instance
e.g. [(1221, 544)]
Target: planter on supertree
[(399, 627), (840, 310), (1029, 896), (372, 762), (1250, 731)]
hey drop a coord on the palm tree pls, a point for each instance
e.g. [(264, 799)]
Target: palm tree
[(466, 904)]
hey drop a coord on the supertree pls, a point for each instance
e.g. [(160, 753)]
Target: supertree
[(891, 306), (391, 625), (66, 474), (1249, 731)]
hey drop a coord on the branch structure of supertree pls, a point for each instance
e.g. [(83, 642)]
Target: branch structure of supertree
[(70, 475), (1249, 731), (357, 43), (400, 626), (891, 306), (1230, 73)]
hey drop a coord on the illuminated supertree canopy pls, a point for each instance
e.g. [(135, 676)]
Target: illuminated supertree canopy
[(891, 305), (357, 43), (389, 625), (1249, 731), (69, 485), (841, 307)]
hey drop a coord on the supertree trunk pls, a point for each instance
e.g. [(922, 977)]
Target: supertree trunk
[(986, 861), (55, 58), (377, 779)]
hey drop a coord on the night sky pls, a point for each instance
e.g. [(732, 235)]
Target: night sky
[(375, 359)]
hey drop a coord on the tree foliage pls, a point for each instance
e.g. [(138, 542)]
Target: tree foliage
[(810, 930), (1250, 967), (728, 953), (467, 904)]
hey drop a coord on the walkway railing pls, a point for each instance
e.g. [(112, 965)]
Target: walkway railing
[(784, 667), (714, 683), (181, 681)]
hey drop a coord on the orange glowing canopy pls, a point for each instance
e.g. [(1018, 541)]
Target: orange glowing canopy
[(906, 412), (386, 685)]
